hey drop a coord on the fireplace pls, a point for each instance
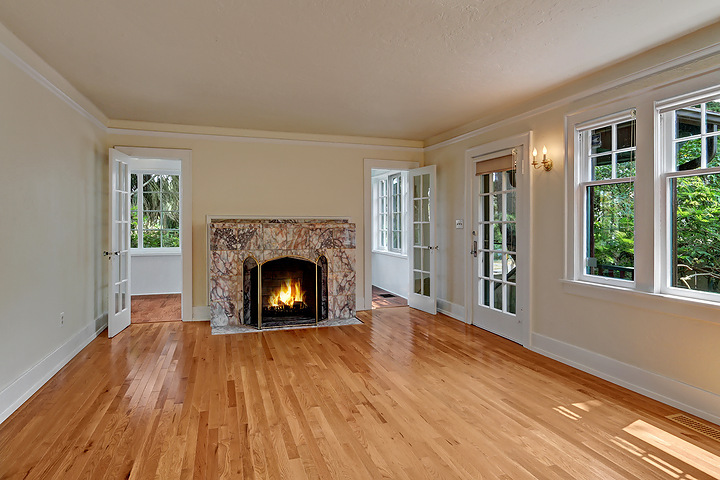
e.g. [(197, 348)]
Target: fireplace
[(250, 257), (284, 291)]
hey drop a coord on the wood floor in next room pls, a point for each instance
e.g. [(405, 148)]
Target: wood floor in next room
[(155, 308), (406, 395), (382, 298)]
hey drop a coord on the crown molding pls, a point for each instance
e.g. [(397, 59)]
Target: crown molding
[(677, 62), (277, 138), (20, 55)]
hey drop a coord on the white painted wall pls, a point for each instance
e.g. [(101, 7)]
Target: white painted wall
[(653, 344), (390, 272), (53, 189), (153, 274)]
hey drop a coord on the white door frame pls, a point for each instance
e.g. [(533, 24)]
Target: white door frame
[(185, 157), (371, 163), (524, 143)]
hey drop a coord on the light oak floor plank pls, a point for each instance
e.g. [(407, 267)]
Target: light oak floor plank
[(405, 395)]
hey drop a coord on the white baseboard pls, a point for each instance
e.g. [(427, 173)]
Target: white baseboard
[(690, 399), (200, 314), (452, 310), (30, 382)]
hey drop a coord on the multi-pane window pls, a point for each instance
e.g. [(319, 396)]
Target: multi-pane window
[(396, 212), (607, 185), (154, 210), (692, 177), (389, 216), (382, 216)]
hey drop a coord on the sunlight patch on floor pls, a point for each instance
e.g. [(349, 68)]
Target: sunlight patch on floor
[(677, 447)]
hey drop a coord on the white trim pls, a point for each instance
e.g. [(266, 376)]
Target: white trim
[(394, 293), (623, 116), (685, 307), (390, 253), (369, 165), (185, 157), (9, 52), (15, 394), (684, 59), (452, 310), (250, 139), (523, 143), (691, 399)]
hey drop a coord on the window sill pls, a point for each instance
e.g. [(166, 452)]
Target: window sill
[(160, 252), (390, 254), (658, 302)]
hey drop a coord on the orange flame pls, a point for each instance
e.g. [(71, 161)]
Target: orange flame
[(288, 294)]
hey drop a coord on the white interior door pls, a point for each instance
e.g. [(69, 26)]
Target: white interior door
[(495, 252), (422, 251), (119, 252)]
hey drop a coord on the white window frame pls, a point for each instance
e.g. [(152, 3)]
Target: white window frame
[(395, 207), (381, 216), (382, 219), (665, 135), (582, 180), (141, 250)]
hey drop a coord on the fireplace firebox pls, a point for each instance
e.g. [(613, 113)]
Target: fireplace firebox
[(284, 291)]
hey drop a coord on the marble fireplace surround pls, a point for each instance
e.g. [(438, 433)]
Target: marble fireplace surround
[(232, 240)]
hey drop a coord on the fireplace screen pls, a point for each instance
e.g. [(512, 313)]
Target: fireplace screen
[(285, 291)]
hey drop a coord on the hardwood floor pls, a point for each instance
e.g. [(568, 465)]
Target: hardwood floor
[(381, 300), (155, 308), (404, 396)]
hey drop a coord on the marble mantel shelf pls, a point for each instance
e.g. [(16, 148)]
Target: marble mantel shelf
[(231, 240)]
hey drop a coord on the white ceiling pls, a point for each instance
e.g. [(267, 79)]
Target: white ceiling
[(395, 68)]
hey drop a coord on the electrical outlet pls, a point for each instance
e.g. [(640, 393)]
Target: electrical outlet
[(459, 224), (62, 319)]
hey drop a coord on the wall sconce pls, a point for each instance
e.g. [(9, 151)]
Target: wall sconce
[(546, 163)]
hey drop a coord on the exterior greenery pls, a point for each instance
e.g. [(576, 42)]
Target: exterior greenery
[(695, 209), (159, 211)]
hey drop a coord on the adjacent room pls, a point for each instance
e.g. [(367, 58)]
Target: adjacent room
[(461, 239)]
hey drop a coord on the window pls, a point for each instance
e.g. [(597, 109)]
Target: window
[(154, 210), (396, 202), (691, 176), (382, 218), (389, 204), (607, 177)]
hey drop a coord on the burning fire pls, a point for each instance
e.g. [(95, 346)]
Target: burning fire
[(289, 293)]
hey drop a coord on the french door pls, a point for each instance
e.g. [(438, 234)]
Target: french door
[(119, 252), (495, 248), (422, 251)]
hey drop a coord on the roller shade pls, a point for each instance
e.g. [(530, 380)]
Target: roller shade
[(497, 164)]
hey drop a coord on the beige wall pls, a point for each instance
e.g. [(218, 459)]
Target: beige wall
[(274, 178), (51, 191), (681, 347)]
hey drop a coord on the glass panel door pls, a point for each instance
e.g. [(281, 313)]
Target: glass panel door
[(422, 249), (119, 252), (499, 270), (497, 258)]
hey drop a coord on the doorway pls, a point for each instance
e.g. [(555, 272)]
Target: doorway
[(497, 291), (160, 244), (386, 260)]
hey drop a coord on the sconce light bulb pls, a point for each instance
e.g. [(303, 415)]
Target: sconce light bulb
[(544, 150), (534, 152)]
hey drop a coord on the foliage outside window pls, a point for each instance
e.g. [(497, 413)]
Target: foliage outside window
[(608, 155), (693, 182), (154, 211)]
